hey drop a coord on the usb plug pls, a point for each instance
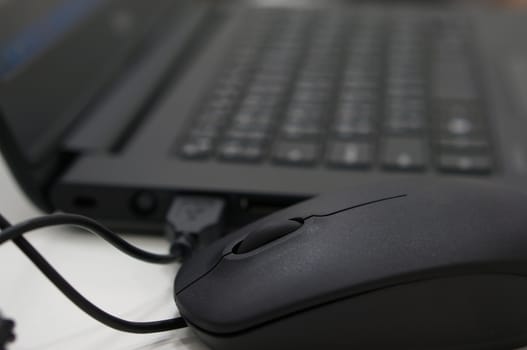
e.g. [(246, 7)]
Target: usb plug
[(193, 221)]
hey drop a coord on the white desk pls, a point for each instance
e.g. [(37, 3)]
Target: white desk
[(120, 285)]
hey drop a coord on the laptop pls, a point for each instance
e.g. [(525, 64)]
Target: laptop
[(112, 108)]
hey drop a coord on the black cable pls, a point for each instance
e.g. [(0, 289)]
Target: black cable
[(14, 231), (6, 331), (56, 278), (86, 305)]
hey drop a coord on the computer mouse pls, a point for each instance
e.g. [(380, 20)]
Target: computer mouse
[(400, 265)]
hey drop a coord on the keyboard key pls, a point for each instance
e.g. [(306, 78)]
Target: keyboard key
[(399, 153), (244, 134), (299, 130), (209, 131), (460, 126), (212, 116), (295, 153), (356, 109), (397, 126), (350, 154), (252, 121), (270, 88), (457, 108), (463, 143), (359, 95), (255, 112), (406, 109), (406, 91), (310, 83), (469, 164), (196, 148), (301, 113), (349, 84), (452, 79), (222, 100), (310, 96), (406, 104), (405, 115), (360, 74), (259, 101), (354, 127), (241, 150)]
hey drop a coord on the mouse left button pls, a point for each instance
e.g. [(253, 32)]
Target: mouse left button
[(199, 264), (266, 234)]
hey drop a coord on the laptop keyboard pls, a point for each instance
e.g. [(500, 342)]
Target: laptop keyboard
[(317, 89)]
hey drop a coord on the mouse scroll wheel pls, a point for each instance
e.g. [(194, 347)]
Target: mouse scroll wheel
[(267, 233)]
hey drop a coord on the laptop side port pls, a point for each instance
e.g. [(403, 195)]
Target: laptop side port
[(84, 202)]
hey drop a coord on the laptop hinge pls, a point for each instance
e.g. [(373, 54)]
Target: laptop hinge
[(106, 122)]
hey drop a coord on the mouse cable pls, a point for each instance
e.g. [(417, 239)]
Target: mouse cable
[(6, 331), (15, 232), (11, 232), (191, 220)]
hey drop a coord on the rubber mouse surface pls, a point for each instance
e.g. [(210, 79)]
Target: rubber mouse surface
[(402, 265)]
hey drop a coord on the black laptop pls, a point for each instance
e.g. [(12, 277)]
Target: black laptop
[(111, 108)]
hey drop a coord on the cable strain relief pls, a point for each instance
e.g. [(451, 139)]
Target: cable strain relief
[(183, 246)]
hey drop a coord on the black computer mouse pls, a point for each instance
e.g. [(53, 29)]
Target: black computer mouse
[(403, 265)]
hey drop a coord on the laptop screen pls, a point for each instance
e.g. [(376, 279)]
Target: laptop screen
[(57, 56), (29, 27)]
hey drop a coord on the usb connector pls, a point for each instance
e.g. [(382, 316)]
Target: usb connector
[(193, 221)]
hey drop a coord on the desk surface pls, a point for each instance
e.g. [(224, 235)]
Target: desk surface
[(120, 285)]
